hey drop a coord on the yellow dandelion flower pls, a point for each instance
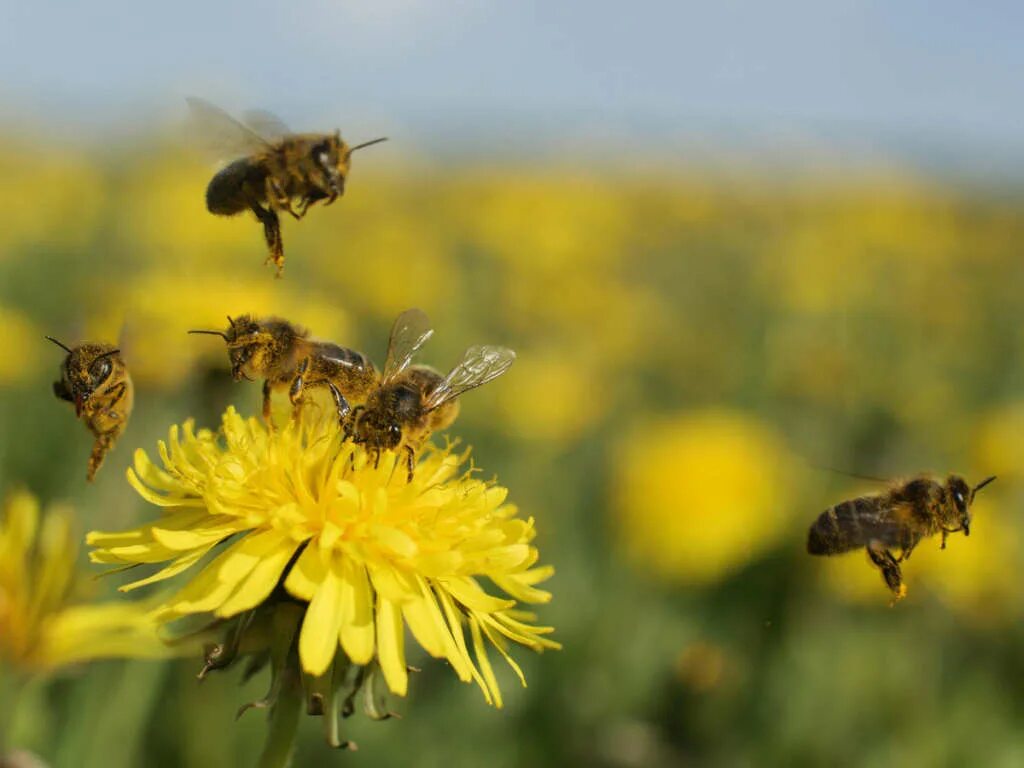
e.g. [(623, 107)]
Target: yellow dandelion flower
[(41, 627), (366, 551), (698, 496)]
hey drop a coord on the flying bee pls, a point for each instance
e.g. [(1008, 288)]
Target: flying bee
[(95, 378), (413, 401), (280, 170), (897, 519), (283, 355)]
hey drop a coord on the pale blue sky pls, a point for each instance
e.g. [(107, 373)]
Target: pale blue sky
[(947, 74)]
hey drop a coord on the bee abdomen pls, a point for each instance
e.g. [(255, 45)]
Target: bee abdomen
[(839, 528), (230, 190)]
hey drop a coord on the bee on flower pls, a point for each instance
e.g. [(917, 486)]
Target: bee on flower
[(331, 552)]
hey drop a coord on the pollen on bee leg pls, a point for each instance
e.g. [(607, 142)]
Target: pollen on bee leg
[(899, 594)]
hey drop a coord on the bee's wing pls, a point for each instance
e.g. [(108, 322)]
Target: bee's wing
[(220, 133), (410, 332), (266, 124), (479, 365)]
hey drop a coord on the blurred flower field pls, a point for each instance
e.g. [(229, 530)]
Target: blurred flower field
[(697, 352)]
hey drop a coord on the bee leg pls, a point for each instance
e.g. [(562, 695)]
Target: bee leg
[(349, 424), (410, 461), (280, 200), (267, 418), (945, 535), (304, 204), (295, 391), (890, 568), (340, 402), (272, 234)]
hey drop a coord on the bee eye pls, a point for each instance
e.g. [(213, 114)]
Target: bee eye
[(100, 370)]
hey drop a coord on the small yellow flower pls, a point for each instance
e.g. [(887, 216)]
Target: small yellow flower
[(370, 552), (41, 630)]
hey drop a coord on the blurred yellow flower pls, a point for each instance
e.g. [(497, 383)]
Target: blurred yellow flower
[(999, 441), (698, 496), (48, 197), (41, 627), (368, 551), (21, 356)]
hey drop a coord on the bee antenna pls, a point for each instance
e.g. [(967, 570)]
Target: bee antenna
[(108, 354), (59, 344), (230, 321), (983, 483), (212, 333), (366, 144)]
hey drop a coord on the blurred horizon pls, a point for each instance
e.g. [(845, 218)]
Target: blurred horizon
[(931, 86)]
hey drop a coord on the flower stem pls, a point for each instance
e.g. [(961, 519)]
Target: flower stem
[(284, 723), (13, 689)]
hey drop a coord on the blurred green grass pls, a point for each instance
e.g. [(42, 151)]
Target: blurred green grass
[(871, 324)]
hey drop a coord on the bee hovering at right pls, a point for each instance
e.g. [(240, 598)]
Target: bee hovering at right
[(280, 170), (897, 519), (413, 401)]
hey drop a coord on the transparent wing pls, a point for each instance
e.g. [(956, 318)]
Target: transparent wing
[(220, 133), (479, 365), (410, 332), (266, 124)]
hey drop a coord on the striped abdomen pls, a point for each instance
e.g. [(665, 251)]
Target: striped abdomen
[(847, 526), (236, 187)]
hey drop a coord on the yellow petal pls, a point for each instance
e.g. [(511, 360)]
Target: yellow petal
[(423, 628), (318, 638), (357, 622), (306, 575), (391, 646), (257, 587), (183, 563), (484, 662), (469, 593)]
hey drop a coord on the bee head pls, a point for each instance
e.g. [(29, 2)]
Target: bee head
[(244, 337), (962, 496), (331, 156), (380, 423), (85, 369)]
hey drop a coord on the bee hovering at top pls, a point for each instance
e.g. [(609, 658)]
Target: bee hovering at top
[(280, 170), (413, 401), (896, 519)]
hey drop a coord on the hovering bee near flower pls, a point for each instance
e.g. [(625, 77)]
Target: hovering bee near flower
[(413, 401), (896, 519), (279, 170), (95, 378), (283, 355)]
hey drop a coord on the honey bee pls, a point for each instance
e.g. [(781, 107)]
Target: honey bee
[(283, 355), (279, 169), (896, 519), (413, 401), (95, 378)]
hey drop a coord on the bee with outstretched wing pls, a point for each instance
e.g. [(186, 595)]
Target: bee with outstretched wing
[(414, 401)]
